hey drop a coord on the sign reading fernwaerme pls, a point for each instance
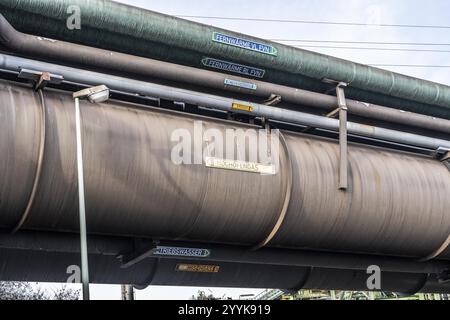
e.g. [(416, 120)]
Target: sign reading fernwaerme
[(233, 67), (244, 44)]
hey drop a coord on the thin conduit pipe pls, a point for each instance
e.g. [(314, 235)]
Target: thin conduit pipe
[(221, 103)]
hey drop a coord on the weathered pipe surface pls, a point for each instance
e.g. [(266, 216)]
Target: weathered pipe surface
[(397, 203)]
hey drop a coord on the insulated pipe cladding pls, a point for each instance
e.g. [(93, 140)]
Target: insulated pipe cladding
[(397, 203), (119, 63)]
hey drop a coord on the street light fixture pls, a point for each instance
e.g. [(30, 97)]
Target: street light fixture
[(94, 95)]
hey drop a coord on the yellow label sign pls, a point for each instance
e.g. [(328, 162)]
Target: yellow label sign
[(197, 268), (242, 107), (235, 165)]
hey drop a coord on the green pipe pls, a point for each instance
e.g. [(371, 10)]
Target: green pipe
[(119, 27)]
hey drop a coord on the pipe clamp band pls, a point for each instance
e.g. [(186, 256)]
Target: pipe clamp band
[(287, 198), (39, 166), (439, 251)]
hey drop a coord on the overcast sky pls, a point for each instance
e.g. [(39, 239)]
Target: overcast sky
[(411, 12)]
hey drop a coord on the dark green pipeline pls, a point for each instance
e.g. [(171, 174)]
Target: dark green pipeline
[(114, 26)]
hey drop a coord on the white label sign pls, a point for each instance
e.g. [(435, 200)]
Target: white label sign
[(236, 165)]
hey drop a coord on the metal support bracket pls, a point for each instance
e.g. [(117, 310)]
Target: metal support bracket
[(443, 155), (334, 113), (180, 105), (342, 111), (446, 161), (265, 124), (343, 144), (273, 100), (446, 157), (141, 252), (40, 78)]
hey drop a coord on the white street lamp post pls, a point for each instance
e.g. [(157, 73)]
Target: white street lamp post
[(94, 95)]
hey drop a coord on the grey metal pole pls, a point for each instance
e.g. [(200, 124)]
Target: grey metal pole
[(82, 208)]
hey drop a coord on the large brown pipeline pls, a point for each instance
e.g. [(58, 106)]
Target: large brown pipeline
[(396, 205), (119, 63)]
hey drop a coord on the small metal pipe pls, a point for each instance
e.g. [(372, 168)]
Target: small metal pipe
[(119, 63), (82, 208), (220, 103)]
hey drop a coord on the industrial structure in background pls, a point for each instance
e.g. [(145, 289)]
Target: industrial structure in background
[(363, 179), (276, 294)]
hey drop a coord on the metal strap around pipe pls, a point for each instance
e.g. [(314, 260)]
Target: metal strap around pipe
[(39, 166), (439, 251), (446, 244), (287, 197)]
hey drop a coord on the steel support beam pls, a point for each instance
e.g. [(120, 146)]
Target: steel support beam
[(343, 145)]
